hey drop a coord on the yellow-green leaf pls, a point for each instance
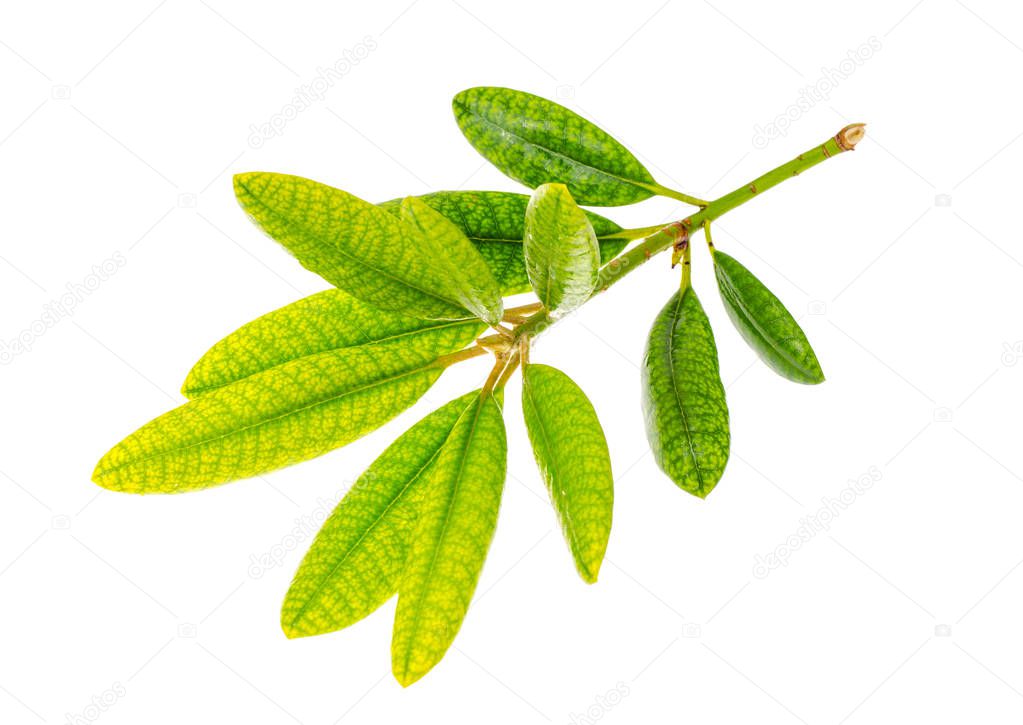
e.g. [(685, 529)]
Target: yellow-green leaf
[(328, 320), (458, 266), (351, 243), (683, 398), (562, 256), (535, 141), (571, 451), (355, 563), (456, 516), (269, 420)]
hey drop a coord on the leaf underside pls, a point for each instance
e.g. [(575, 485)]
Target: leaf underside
[(536, 141), (283, 415), (456, 516), (494, 221), (571, 451), (355, 563), (560, 246), (683, 397), (765, 324)]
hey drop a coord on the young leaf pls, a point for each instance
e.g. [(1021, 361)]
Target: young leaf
[(328, 320), (458, 266), (355, 563), (534, 141), (494, 222), (683, 398), (455, 522), (571, 452), (765, 324), (351, 243), (289, 413), (562, 256)]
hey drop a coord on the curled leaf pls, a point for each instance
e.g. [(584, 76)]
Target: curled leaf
[(562, 256)]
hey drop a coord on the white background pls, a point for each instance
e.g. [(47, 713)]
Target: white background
[(120, 126)]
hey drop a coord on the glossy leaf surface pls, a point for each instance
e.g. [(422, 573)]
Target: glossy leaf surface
[(562, 256), (683, 398), (536, 141), (765, 324), (494, 222)]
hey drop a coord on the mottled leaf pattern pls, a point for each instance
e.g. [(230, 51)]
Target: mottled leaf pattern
[(562, 256), (328, 320), (351, 243), (494, 222), (269, 420), (765, 324), (455, 522), (535, 141), (572, 454), (355, 563), (460, 272), (683, 398)]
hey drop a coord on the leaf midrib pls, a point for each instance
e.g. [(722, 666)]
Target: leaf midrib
[(732, 291), (417, 614), (573, 536), (391, 338), (351, 550), (632, 182), (678, 398), (268, 421), (348, 254)]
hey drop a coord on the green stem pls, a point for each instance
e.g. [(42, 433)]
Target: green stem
[(844, 140), (672, 194), (668, 236)]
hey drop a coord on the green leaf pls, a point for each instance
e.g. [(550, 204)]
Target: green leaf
[(355, 563), (289, 413), (351, 243), (535, 141), (562, 256), (456, 518), (494, 222), (765, 324), (572, 454), (683, 398), (328, 320), (460, 270)]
